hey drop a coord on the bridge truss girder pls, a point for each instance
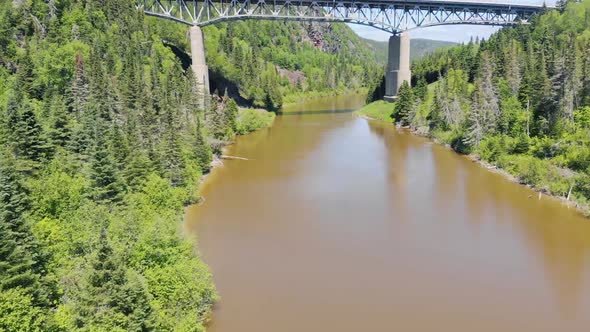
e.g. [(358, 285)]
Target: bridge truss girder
[(390, 16)]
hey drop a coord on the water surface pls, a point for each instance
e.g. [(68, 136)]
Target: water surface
[(337, 223)]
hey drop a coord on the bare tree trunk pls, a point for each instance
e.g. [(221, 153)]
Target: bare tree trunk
[(528, 102)]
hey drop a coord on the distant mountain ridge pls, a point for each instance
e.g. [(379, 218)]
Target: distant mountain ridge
[(419, 47)]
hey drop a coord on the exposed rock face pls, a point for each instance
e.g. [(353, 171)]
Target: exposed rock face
[(293, 76), (325, 37)]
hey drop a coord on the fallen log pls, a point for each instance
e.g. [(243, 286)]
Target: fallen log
[(233, 157)]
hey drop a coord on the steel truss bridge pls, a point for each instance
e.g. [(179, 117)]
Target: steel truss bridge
[(393, 16)]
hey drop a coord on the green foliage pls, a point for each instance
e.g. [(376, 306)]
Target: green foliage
[(269, 60), (250, 120), (492, 148), (104, 175), (404, 104), (582, 117), (18, 313), (17, 246), (519, 100), (109, 297)]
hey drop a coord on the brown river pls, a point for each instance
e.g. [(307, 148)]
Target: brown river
[(336, 223)]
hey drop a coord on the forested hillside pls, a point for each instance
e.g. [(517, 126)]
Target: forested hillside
[(102, 144), (419, 47), (262, 62), (520, 100)]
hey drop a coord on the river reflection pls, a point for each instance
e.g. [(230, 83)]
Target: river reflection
[(341, 224)]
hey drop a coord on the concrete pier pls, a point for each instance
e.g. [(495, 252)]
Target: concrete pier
[(398, 65), (199, 66)]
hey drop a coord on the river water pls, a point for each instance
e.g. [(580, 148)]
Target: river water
[(336, 223)]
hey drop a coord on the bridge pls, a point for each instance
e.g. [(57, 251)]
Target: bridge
[(397, 17)]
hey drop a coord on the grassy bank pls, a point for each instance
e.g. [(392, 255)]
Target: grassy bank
[(378, 110)]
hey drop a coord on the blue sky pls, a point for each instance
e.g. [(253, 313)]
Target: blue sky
[(456, 33)]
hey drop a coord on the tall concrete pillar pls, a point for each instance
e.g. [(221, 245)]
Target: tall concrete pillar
[(398, 65), (199, 66)]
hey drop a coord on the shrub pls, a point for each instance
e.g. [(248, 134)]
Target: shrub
[(578, 157), (520, 145), (491, 148), (250, 120), (543, 147)]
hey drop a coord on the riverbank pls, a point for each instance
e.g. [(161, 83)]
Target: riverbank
[(538, 174), (310, 95)]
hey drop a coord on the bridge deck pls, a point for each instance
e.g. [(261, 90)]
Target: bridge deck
[(491, 4), (392, 16)]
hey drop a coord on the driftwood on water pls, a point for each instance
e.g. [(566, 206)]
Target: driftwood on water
[(233, 157)]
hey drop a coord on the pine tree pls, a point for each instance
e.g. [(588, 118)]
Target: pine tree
[(434, 117), (25, 73), (137, 167), (513, 75), (404, 104), (24, 133), (108, 297), (202, 149), (421, 89), (104, 173), (16, 261), (215, 118), (231, 113), (172, 159), (79, 90), (60, 132)]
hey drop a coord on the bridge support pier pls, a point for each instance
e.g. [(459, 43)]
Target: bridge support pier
[(398, 65), (199, 66)]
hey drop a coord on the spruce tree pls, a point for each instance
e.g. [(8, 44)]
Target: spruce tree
[(16, 260), (79, 90), (202, 149), (108, 298), (104, 173), (61, 131), (403, 104), (231, 114)]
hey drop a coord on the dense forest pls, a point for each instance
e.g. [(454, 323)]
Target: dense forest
[(519, 101), (419, 48), (102, 143), (266, 63)]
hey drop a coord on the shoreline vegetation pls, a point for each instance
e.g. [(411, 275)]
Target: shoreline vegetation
[(384, 111), (249, 120), (519, 101), (295, 98)]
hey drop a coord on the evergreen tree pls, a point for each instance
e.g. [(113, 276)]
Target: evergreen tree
[(16, 261), (25, 74), (421, 89), (202, 149), (231, 113), (404, 104), (79, 90), (104, 173), (25, 134), (109, 298), (434, 117), (60, 131)]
